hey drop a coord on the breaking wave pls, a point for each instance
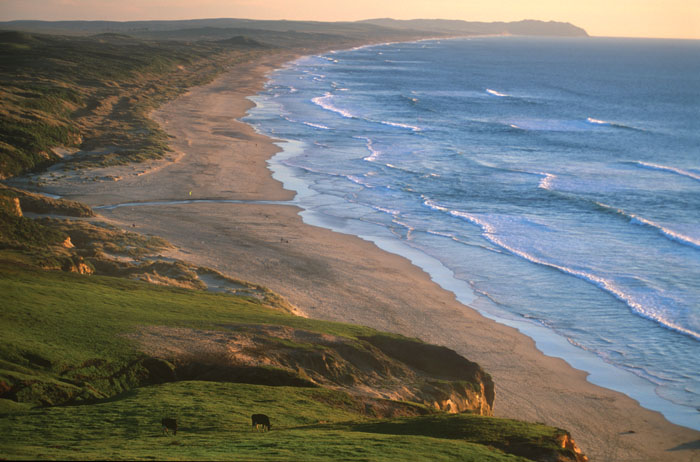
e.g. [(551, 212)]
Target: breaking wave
[(489, 232), (325, 102), (664, 231), (677, 171), (496, 93), (311, 124)]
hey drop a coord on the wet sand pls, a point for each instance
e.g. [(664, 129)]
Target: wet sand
[(334, 276)]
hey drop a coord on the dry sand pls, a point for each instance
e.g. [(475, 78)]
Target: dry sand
[(340, 277)]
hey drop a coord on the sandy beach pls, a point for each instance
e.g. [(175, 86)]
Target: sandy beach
[(338, 277)]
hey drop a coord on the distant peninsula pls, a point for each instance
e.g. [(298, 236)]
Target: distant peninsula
[(458, 27)]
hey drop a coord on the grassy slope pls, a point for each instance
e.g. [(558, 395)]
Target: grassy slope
[(56, 324), (214, 424)]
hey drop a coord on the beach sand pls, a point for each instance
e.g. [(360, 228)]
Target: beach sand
[(334, 276)]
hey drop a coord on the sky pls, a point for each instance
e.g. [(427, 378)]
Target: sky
[(610, 18)]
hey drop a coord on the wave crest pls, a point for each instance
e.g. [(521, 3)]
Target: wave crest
[(666, 168), (496, 93), (666, 232), (637, 306), (325, 102)]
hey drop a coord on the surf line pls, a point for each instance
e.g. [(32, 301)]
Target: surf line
[(190, 201)]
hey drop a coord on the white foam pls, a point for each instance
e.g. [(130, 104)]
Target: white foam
[(434, 205), (489, 232), (496, 93), (664, 231), (325, 102), (386, 210), (677, 171), (673, 235), (358, 180), (441, 234), (373, 153), (409, 228), (400, 125), (311, 124), (52, 196), (597, 121), (546, 182)]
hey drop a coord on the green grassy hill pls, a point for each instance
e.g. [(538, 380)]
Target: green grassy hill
[(66, 339), (214, 424)]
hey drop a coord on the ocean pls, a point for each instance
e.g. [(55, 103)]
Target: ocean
[(552, 184)]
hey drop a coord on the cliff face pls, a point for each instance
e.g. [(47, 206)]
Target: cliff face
[(475, 391), (382, 366)]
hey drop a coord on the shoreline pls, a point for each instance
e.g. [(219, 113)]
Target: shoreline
[(342, 277), (548, 341)]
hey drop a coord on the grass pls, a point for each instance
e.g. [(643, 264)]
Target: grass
[(511, 436), (71, 306), (62, 334), (214, 424), (66, 327)]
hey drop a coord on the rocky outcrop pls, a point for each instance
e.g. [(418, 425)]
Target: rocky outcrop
[(569, 444), (381, 366), (11, 206)]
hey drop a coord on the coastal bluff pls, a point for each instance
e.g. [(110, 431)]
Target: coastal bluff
[(383, 366), (115, 356)]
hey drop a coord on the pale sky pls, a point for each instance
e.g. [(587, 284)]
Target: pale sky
[(618, 18)]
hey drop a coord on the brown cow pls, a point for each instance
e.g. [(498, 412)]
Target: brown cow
[(261, 420), (169, 424)]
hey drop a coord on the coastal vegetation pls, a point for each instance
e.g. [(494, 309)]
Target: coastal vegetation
[(87, 99)]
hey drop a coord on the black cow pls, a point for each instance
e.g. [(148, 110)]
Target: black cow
[(169, 424), (261, 420)]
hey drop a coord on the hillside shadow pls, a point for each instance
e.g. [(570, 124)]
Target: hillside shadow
[(687, 446)]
